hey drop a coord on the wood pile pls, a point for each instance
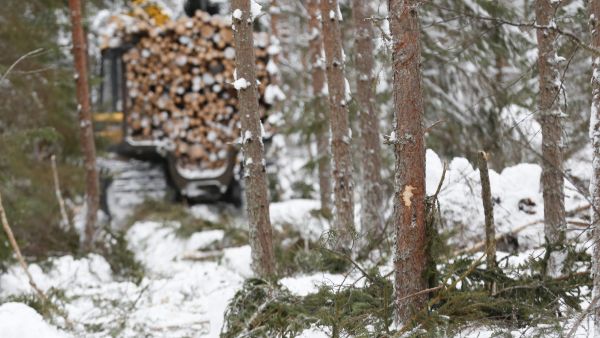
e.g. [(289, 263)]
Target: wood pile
[(179, 81)]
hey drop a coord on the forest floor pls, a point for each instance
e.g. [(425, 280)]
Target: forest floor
[(195, 260)]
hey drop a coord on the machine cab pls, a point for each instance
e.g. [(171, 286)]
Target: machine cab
[(110, 96)]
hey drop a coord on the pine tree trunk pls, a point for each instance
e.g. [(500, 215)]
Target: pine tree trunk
[(372, 198), (550, 120), (595, 139), (85, 122), (257, 203), (340, 125), (322, 132), (409, 201)]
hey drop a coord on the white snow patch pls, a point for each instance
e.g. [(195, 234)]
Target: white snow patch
[(241, 83), (18, 320)]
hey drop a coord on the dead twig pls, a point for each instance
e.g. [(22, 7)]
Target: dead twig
[(61, 202), (32, 53)]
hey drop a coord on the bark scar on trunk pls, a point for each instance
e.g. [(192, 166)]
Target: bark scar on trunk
[(407, 195)]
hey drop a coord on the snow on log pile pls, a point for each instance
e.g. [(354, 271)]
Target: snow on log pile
[(181, 87)]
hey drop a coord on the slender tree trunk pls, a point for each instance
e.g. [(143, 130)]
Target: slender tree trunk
[(372, 192), (595, 139), (261, 237), (340, 125), (488, 209), (317, 72), (409, 201), (85, 122), (550, 120)]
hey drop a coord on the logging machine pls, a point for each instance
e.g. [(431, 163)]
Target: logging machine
[(166, 95)]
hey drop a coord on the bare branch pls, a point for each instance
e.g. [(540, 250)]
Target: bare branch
[(32, 53)]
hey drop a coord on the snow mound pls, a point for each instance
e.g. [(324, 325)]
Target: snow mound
[(158, 247), (297, 214), (516, 193), (66, 272), (18, 320)]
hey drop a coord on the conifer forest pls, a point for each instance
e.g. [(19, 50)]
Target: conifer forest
[(299, 168)]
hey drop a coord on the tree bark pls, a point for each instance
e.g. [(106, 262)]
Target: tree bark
[(410, 258), (85, 123), (372, 192), (343, 223), (595, 140), (257, 203), (322, 132), (550, 118)]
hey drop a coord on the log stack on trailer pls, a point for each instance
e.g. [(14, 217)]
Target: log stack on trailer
[(181, 96)]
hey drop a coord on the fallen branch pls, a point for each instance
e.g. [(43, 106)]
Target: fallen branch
[(200, 256), (442, 286), (439, 296)]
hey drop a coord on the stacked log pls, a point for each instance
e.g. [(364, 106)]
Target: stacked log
[(180, 94)]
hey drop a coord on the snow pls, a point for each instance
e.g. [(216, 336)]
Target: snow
[(188, 283), (18, 320), (241, 84), (298, 212), (237, 14), (304, 285), (273, 94), (272, 67), (255, 9)]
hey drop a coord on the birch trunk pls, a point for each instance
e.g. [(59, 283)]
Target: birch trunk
[(550, 118), (340, 126), (372, 198), (595, 139), (257, 203), (410, 259), (85, 122), (317, 72)]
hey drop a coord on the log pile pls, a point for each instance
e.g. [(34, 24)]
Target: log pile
[(179, 81)]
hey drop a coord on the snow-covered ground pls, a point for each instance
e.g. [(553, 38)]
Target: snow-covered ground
[(188, 283)]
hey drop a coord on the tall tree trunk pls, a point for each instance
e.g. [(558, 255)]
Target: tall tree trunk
[(317, 72), (340, 125), (550, 120), (595, 139), (85, 122), (372, 197), (409, 201), (257, 203)]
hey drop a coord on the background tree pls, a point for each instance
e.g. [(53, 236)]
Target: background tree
[(372, 199), (595, 140), (550, 118), (340, 126), (321, 114), (255, 178), (85, 122), (409, 144)]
